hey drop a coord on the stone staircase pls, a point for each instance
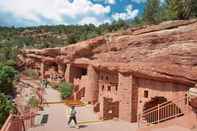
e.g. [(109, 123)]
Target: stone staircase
[(177, 112)]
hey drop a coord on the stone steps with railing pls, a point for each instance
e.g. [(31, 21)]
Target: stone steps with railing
[(164, 112)]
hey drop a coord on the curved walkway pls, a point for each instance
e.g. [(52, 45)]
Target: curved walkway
[(57, 120)]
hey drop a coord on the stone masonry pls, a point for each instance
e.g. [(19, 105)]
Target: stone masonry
[(141, 64)]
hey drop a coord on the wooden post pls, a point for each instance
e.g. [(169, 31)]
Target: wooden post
[(138, 120), (158, 114), (187, 100)]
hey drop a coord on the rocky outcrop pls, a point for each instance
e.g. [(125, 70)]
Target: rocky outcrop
[(166, 51)]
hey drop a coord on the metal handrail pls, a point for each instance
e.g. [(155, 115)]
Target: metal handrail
[(172, 100), (170, 108)]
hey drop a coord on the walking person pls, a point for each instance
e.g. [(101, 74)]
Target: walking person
[(72, 116)]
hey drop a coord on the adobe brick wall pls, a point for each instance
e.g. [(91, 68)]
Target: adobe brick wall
[(42, 70), (91, 91), (108, 80), (155, 88), (134, 101), (124, 93), (67, 73), (72, 72), (61, 68), (80, 86), (110, 109)]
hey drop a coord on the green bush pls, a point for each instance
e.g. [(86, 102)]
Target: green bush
[(11, 63), (6, 107), (54, 85), (33, 102), (31, 73), (65, 89), (7, 76)]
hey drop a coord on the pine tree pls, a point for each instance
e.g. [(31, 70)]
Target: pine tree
[(151, 11), (194, 8), (180, 9)]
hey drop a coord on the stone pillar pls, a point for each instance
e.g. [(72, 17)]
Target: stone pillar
[(67, 73), (125, 95), (61, 68), (91, 91), (42, 70), (100, 113)]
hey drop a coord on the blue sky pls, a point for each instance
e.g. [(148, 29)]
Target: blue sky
[(22, 13)]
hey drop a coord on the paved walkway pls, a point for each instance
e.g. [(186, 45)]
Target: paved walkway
[(58, 118)]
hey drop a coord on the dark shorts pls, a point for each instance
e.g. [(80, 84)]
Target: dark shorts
[(72, 118)]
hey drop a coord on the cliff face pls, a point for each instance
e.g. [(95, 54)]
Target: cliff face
[(164, 51)]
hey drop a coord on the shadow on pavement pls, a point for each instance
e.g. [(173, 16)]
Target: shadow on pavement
[(83, 126)]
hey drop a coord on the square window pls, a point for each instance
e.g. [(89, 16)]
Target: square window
[(145, 94), (109, 88), (107, 78), (101, 77), (103, 87), (116, 88)]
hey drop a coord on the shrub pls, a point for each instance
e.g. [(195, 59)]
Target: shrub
[(6, 107), (11, 63), (54, 85), (7, 76), (31, 73), (65, 89), (33, 102)]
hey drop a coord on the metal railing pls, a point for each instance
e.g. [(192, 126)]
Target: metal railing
[(19, 122), (163, 112)]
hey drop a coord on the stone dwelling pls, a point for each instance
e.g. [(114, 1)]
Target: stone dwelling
[(124, 73)]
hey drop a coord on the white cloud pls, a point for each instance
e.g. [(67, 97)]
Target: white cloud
[(110, 1), (55, 11), (129, 13), (89, 20)]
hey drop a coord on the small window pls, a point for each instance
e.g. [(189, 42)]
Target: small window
[(109, 88), (145, 94), (103, 87), (107, 78), (101, 77), (116, 88)]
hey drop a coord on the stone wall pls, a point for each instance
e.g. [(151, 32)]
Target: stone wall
[(80, 86), (72, 72), (155, 88), (108, 89), (124, 93), (134, 101), (110, 109), (108, 85), (91, 91)]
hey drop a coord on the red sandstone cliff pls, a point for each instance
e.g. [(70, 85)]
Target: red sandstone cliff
[(167, 51)]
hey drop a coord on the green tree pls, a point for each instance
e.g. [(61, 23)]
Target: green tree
[(180, 9), (7, 75), (194, 8), (66, 89), (138, 21), (33, 102), (6, 107), (152, 11)]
